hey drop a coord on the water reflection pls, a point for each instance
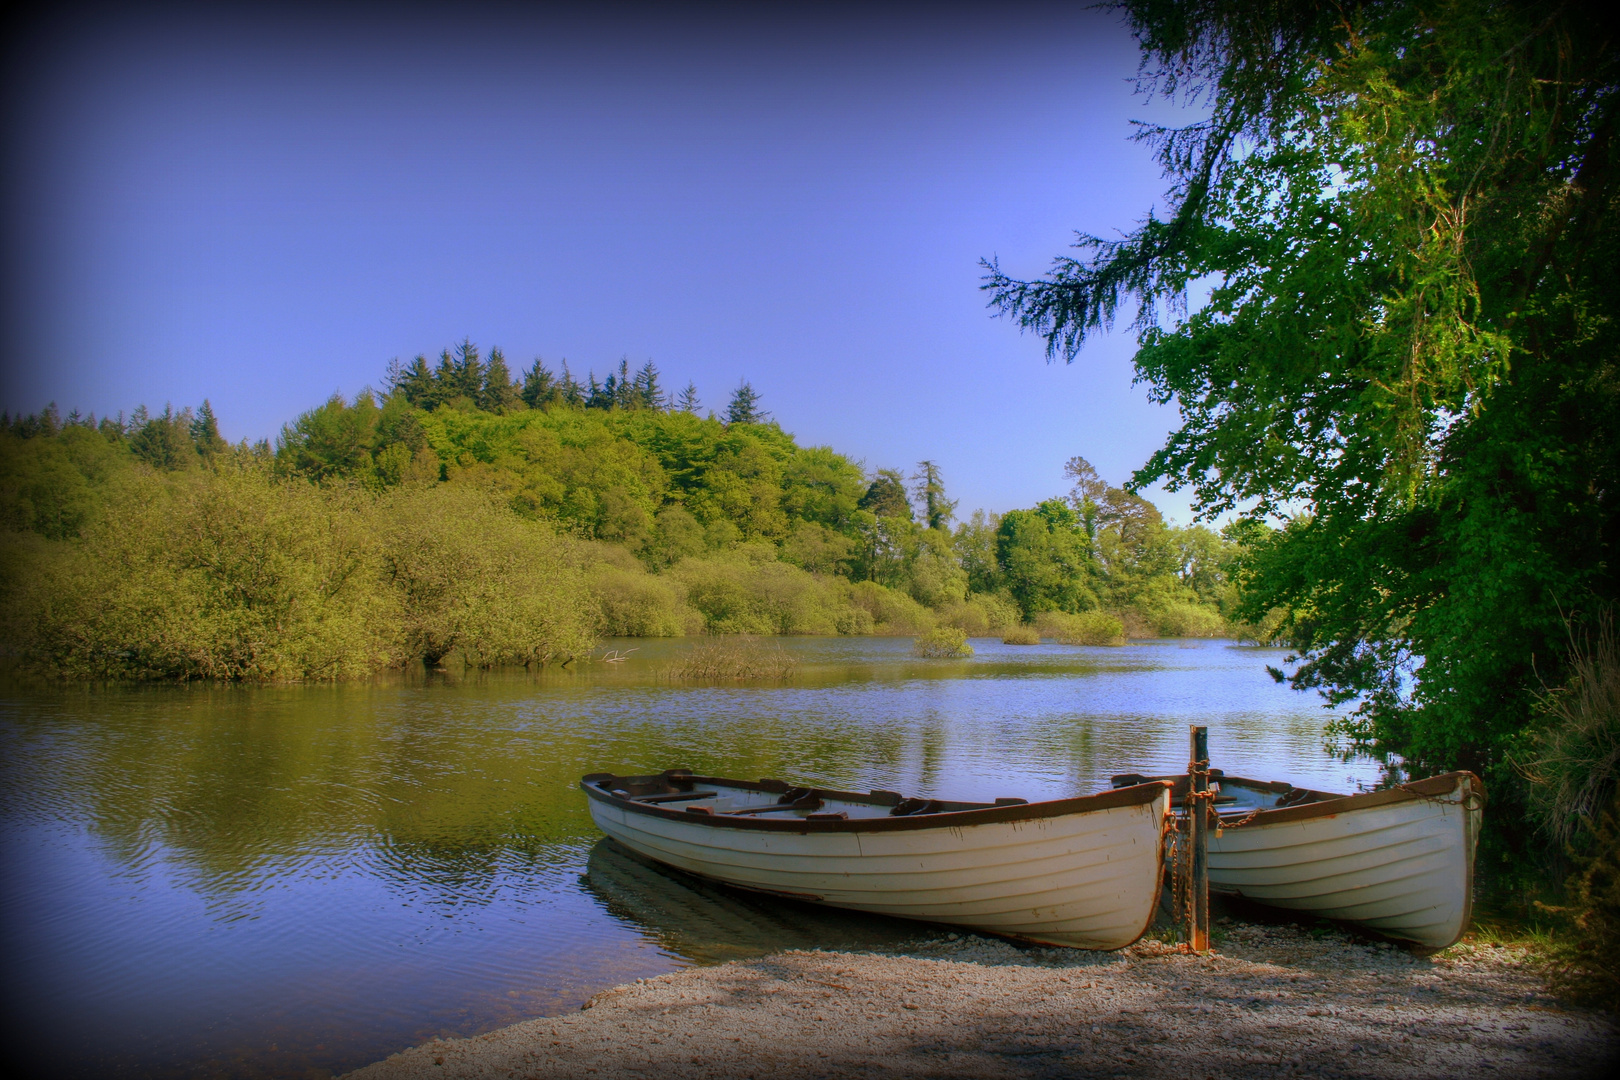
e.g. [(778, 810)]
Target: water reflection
[(263, 881), (711, 924)]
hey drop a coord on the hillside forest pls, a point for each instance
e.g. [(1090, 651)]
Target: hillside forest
[(464, 515)]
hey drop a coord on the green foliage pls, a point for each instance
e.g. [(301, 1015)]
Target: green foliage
[(943, 643), (748, 591), (464, 519), (1404, 214), (470, 576), (1587, 964), (1022, 634), (1573, 758), (744, 407), (216, 575), (1086, 628), (1044, 560), (886, 496)]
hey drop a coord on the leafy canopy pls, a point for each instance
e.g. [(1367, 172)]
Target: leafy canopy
[(1403, 213)]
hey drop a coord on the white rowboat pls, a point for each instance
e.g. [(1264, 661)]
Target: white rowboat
[(1079, 872), (1399, 861)]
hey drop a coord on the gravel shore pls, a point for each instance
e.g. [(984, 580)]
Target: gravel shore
[(1272, 1001)]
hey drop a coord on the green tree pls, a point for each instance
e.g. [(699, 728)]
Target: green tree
[(497, 394), (164, 442), (204, 430), (1045, 560), (886, 496), (744, 407), (1405, 216), (688, 399), (930, 492)]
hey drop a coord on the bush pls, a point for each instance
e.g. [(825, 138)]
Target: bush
[(891, 612), (747, 591), (1574, 759), (1021, 635), (1086, 628), (209, 575), (1183, 620), (1586, 967), (981, 614), (634, 603), (943, 643), (471, 576)]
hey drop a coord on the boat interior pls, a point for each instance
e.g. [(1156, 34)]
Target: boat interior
[(1235, 794), (679, 789)]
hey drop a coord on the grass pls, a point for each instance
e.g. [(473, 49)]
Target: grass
[(733, 659)]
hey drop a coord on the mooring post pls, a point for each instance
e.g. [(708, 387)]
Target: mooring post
[(1198, 838)]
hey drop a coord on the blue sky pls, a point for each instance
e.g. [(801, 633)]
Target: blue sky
[(263, 209)]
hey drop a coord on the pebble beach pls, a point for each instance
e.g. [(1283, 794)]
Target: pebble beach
[(1270, 1001)]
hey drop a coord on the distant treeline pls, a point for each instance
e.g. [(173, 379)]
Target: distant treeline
[(462, 512)]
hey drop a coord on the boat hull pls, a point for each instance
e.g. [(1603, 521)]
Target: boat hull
[(1086, 878), (1400, 861)]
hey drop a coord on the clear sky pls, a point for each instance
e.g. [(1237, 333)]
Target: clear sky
[(263, 208)]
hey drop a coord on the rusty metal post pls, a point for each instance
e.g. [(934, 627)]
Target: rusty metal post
[(1198, 838)]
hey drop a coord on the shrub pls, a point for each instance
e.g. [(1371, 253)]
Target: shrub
[(471, 576), (209, 575), (981, 614), (1021, 635), (944, 642), (891, 612), (634, 603), (1574, 759), (748, 592), (733, 659), (1086, 628), (1186, 620), (1586, 967)]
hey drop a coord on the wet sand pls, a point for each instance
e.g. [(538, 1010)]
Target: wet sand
[(1272, 1001)]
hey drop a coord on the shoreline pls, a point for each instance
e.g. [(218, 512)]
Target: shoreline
[(1273, 1001)]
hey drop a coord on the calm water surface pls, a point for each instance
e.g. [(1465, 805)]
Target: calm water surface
[(296, 881)]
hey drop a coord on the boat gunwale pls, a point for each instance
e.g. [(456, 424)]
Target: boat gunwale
[(1411, 791), (1330, 803), (984, 814)]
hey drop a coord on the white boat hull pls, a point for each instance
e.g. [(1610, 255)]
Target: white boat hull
[(1087, 879), (1400, 861)]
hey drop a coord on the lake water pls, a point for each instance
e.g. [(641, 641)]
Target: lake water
[(300, 880)]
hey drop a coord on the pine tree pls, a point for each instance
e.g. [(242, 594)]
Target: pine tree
[(415, 382), (622, 387), (446, 382), (688, 401), (205, 432), (744, 407), (930, 491), (648, 391), (598, 395), (497, 395), (469, 371), (540, 387), (569, 390)]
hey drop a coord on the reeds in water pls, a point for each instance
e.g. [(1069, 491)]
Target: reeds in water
[(1022, 634), (733, 659)]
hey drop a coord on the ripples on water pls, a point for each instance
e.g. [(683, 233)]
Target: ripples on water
[(281, 881)]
